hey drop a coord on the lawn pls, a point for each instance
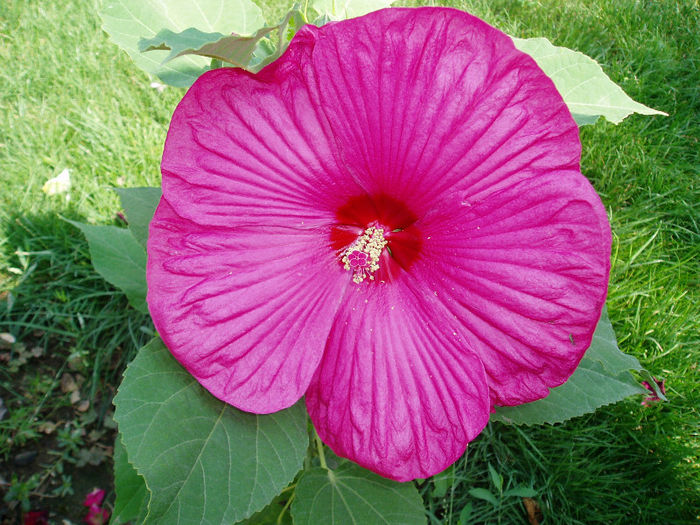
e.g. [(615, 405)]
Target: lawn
[(72, 100)]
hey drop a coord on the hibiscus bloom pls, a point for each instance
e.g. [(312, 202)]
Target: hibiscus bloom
[(390, 220)]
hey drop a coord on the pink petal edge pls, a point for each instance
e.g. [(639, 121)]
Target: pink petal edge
[(396, 392), (224, 302)]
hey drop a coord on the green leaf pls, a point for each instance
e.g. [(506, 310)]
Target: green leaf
[(443, 481), (128, 21), (353, 495), (602, 378), (266, 52), (233, 49), (342, 9), (587, 90), (132, 494), (465, 514), (590, 387), (119, 259), (203, 460), (520, 492), (188, 42), (496, 478), (604, 348), (139, 204), (275, 512), (249, 52), (484, 494)]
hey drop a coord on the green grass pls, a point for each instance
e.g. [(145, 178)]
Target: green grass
[(70, 99)]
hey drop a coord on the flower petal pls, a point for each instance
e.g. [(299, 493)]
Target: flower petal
[(525, 271), (246, 149), (246, 311), (396, 391), (426, 102)]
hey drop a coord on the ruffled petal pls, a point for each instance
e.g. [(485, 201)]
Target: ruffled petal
[(397, 391), (246, 150), (525, 272), (427, 102), (246, 311)]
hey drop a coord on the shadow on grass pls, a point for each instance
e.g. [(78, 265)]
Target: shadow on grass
[(74, 336), (616, 466), (60, 302)]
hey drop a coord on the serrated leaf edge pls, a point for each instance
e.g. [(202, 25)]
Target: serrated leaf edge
[(145, 481)]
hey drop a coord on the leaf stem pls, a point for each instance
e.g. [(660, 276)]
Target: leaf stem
[(290, 487), (321, 454), (286, 506)]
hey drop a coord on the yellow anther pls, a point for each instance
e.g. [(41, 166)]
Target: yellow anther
[(362, 257)]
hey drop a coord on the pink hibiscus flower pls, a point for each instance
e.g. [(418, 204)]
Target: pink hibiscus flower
[(390, 220)]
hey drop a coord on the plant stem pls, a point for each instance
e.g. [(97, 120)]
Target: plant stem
[(290, 487), (284, 509), (321, 454)]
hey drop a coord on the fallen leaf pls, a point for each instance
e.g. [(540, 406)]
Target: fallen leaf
[(6, 340), (74, 397), (59, 184), (83, 406), (37, 351), (47, 427), (75, 362), (534, 512), (68, 384)]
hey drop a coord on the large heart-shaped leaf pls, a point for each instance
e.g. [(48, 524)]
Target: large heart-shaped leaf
[(119, 259), (128, 21), (353, 495), (132, 499), (587, 90), (203, 460)]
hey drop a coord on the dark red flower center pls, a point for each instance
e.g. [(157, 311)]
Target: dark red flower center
[(375, 237)]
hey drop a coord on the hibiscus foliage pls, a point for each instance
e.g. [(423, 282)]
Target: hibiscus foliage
[(201, 457), (185, 456)]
